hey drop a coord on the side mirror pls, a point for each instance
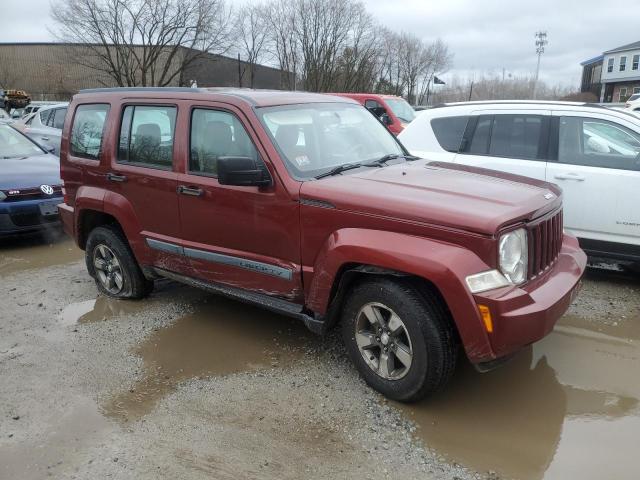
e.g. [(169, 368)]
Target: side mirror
[(385, 118), (242, 171)]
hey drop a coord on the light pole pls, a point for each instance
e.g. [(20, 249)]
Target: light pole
[(541, 41)]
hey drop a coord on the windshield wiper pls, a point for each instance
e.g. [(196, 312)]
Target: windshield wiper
[(339, 169), (382, 160)]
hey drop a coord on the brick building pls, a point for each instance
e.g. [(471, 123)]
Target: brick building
[(50, 71)]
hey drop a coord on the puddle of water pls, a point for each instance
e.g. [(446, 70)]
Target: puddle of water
[(57, 443), (220, 338), (568, 407), (98, 309), (24, 253)]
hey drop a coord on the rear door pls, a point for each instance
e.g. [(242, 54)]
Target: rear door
[(598, 168), (245, 237), (142, 175), (508, 141)]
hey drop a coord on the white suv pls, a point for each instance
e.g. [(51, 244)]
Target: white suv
[(633, 102), (591, 152)]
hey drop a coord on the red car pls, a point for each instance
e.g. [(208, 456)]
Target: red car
[(393, 111), (306, 205)]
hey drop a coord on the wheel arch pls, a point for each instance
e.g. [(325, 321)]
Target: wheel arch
[(352, 254)]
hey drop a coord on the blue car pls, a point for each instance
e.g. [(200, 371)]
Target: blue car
[(30, 185)]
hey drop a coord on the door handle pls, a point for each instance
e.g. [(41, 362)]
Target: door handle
[(570, 176), (46, 139), (193, 191), (113, 177)]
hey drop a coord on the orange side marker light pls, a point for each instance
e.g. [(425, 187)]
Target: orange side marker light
[(486, 317)]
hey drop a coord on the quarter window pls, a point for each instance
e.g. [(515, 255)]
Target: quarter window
[(449, 131), (146, 136), (598, 143), (87, 130), (216, 134)]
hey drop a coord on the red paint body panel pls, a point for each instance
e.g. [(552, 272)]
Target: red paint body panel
[(439, 222)]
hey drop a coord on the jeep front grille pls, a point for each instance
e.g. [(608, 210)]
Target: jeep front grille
[(545, 242)]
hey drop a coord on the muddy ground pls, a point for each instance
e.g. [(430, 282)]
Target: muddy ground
[(189, 385)]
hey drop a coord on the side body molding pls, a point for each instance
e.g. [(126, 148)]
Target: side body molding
[(443, 264)]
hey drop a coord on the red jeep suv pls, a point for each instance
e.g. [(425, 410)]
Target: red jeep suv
[(306, 205)]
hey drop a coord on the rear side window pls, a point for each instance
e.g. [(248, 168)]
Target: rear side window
[(449, 131), (516, 136), (216, 134), (88, 130), (146, 136), (58, 118)]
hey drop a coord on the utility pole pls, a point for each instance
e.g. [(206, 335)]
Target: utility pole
[(541, 41)]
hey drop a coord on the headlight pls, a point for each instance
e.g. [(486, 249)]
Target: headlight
[(481, 282), (2, 195), (513, 252)]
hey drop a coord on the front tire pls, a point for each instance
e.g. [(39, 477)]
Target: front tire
[(111, 263), (400, 339)]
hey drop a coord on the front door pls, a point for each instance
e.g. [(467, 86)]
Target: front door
[(245, 237), (598, 169), (508, 141)]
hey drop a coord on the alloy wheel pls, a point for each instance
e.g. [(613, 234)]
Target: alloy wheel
[(383, 341), (108, 269)]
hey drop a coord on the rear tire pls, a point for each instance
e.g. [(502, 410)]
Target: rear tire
[(415, 328), (111, 263)]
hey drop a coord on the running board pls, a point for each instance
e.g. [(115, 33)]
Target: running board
[(268, 302)]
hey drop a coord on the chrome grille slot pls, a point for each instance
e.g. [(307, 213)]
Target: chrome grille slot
[(545, 242)]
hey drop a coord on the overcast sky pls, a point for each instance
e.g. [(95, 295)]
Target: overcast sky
[(484, 35)]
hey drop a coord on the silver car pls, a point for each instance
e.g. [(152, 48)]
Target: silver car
[(45, 126)]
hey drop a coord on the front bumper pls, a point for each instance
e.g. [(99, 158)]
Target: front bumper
[(27, 216), (523, 315)]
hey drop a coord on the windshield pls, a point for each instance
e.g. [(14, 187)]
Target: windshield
[(401, 109), (315, 138), (634, 97), (16, 145)]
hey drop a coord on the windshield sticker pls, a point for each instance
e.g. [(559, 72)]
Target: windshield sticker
[(302, 160)]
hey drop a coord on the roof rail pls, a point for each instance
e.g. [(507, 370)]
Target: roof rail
[(141, 89)]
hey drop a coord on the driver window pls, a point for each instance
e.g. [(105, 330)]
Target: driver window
[(598, 143), (375, 108), (215, 134)]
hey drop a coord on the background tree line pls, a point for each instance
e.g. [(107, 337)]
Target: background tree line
[(329, 45)]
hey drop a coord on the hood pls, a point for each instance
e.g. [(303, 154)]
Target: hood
[(21, 173), (446, 194)]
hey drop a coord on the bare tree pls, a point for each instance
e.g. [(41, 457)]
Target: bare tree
[(281, 20), (252, 25), (143, 42)]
